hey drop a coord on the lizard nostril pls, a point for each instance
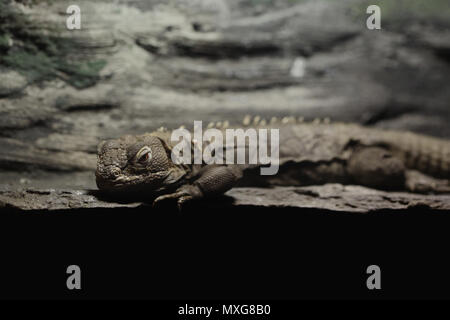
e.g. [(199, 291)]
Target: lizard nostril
[(115, 172)]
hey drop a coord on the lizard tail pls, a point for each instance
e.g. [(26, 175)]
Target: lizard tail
[(426, 154)]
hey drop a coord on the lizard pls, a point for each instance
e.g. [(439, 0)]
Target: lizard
[(310, 153)]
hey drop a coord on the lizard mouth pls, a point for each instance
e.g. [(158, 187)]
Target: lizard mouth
[(154, 181), (172, 178)]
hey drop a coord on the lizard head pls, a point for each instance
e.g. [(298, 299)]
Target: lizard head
[(136, 163)]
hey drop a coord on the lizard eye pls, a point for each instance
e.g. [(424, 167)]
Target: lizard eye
[(144, 155)]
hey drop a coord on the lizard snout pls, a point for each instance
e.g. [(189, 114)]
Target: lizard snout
[(106, 175)]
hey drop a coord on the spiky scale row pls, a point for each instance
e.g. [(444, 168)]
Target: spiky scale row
[(218, 125), (258, 121)]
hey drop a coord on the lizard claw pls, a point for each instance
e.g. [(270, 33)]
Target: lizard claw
[(180, 196), (182, 200)]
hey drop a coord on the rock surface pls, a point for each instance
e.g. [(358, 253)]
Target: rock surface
[(11, 82), (330, 197)]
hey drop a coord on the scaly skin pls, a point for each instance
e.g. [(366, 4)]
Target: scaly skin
[(310, 153)]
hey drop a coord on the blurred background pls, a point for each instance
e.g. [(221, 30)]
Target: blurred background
[(138, 65)]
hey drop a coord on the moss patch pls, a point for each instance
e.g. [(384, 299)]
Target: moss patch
[(26, 49)]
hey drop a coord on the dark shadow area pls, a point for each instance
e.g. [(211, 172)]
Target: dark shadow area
[(244, 253), (147, 199)]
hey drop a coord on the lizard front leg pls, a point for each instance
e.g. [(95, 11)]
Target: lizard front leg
[(212, 180)]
